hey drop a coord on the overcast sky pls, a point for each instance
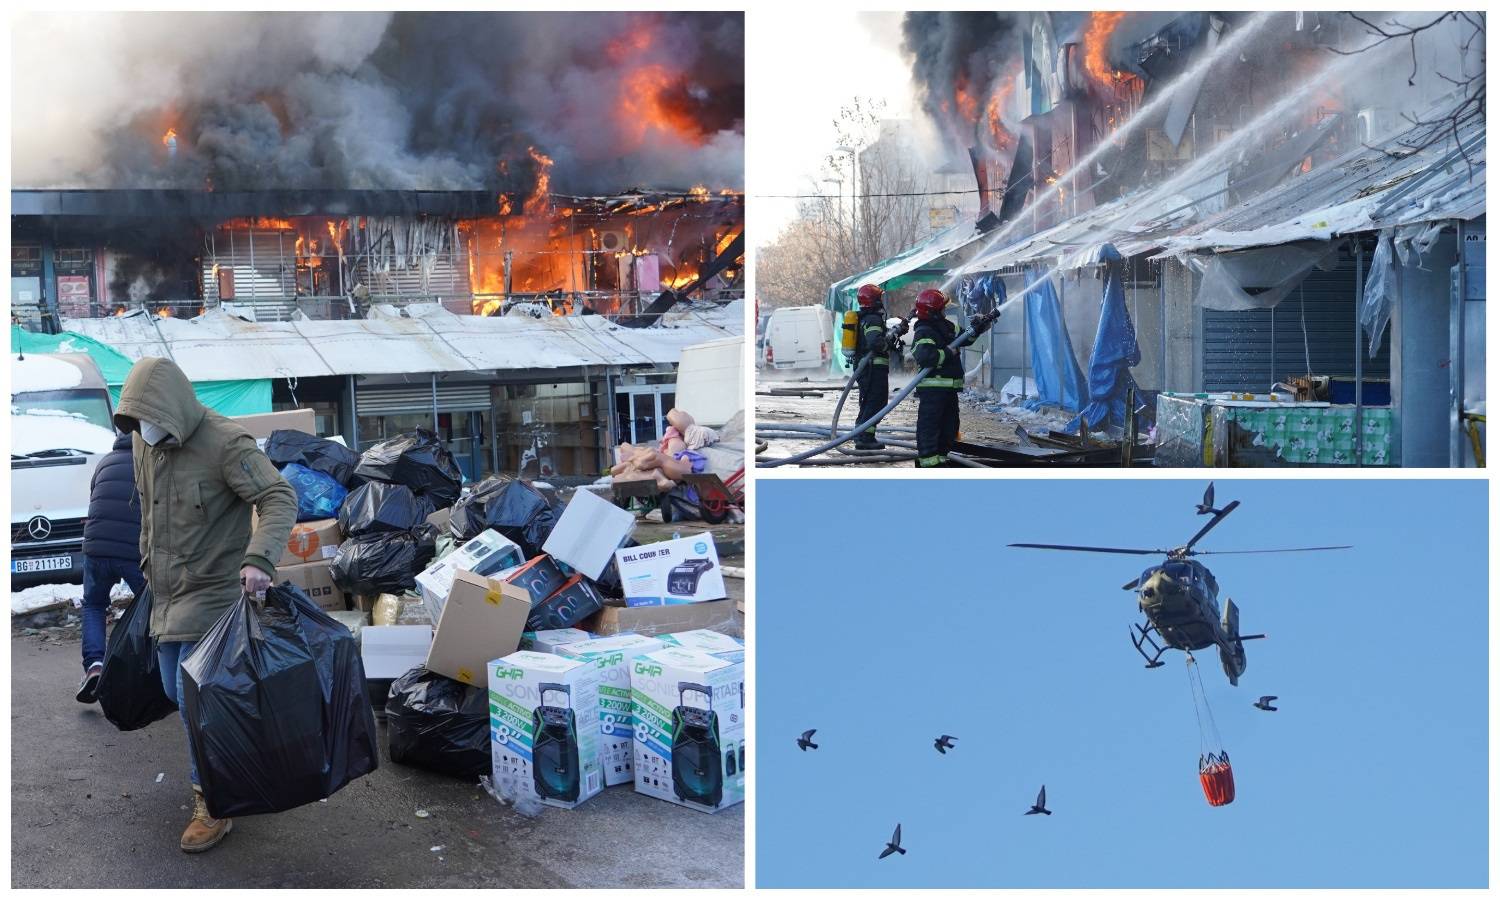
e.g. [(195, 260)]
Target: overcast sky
[(802, 76)]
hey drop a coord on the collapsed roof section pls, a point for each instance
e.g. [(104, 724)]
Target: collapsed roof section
[(422, 338), (1368, 189)]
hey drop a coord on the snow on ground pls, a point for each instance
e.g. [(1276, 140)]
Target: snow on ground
[(45, 595), (50, 429), (43, 373)]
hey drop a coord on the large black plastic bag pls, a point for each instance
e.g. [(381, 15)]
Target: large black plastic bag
[(418, 460), (376, 506), (439, 724), (383, 562), (319, 495), (512, 507), (130, 691), (286, 446), (276, 707)]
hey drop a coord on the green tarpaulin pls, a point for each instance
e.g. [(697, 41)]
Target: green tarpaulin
[(242, 397)]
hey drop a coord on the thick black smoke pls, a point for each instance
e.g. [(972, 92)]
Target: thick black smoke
[(367, 101), (949, 49)]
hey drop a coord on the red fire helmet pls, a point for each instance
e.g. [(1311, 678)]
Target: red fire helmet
[(870, 294), (930, 303)]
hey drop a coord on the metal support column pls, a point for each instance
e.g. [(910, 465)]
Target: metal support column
[(1359, 353), (353, 417), (47, 308), (1025, 357), (1457, 310), (434, 405)]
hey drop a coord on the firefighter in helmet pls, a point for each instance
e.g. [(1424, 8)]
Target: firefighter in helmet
[(937, 394), (875, 380)]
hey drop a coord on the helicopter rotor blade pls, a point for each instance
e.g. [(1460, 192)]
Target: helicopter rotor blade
[(1218, 517), (1092, 549), (1279, 550)]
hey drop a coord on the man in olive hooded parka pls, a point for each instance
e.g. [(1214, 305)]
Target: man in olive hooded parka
[(198, 474)]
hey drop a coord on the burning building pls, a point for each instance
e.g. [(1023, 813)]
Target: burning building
[(1257, 184), (584, 181)]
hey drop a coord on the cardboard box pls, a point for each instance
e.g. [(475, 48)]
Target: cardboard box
[(575, 601), (440, 519), (717, 615), (704, 640), (316, 540), (316, 581), (612, 657), (390, 651), (487, 553), (589, 532), (482, 620), (260, 426), (689, 714), (540, 578), (685, 570), (548, 640), (543, 705)]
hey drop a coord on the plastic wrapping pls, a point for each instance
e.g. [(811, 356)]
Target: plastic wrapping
[(439, 724), (1059, 381), (512, 507), (383, 562), (130, 692), (286, 446), (319, 495), (276, 707), (418, 460), (1115, 352), (376, 506)]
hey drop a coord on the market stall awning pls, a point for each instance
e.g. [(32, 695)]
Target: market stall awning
[(1368, 189), (422, 338), (912, 264)]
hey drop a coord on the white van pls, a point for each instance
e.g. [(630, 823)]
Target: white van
[(798, 337), (60, 426)]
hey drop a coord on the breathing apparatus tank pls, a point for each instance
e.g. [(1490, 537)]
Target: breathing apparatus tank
[(849, 333)]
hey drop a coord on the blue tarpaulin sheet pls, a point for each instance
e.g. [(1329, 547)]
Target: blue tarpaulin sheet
[(1059, 381), (1115, 351)]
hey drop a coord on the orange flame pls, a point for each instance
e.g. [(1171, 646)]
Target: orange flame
[(169, 137), (537, 202), (646, 105), (1096, 47)]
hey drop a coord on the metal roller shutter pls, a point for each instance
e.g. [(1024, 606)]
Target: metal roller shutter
[(1250, 350), (414, 398)]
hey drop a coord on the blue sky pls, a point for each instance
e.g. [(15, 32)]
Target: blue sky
[(888, 612)]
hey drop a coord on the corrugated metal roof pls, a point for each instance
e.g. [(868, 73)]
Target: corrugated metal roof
[(219, 346), (1366, 190)]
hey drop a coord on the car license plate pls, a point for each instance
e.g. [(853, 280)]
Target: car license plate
[(43, 564)]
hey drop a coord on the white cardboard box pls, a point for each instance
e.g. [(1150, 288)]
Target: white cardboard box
[(670, 572), (487, 553), (390, 651), (704, 641), (548, 640), (542, 698), (588, 533), (689, 714), (613, 655)]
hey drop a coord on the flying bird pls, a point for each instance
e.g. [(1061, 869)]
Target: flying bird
[(1265, 704), (805, 742), (894, 844), (1040, 806), (944, 743)]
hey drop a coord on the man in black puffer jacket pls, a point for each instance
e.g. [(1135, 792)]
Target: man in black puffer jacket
[(111, 551)]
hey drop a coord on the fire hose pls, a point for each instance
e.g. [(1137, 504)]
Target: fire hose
[(976, 327)]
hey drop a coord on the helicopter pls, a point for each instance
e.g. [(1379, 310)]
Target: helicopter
[(1180, 597)]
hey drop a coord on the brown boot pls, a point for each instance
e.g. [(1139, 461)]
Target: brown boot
[(204, 831)]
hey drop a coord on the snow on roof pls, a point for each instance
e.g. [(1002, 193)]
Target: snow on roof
[(423, 338), (43, 373), (1368, 189)]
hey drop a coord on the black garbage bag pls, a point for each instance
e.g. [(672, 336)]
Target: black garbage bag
[(130, 691), (510, 506), (608, 582), (418, 460), (286, 446), (376, 506), (439, 724), (276, 707), (385, 562)]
